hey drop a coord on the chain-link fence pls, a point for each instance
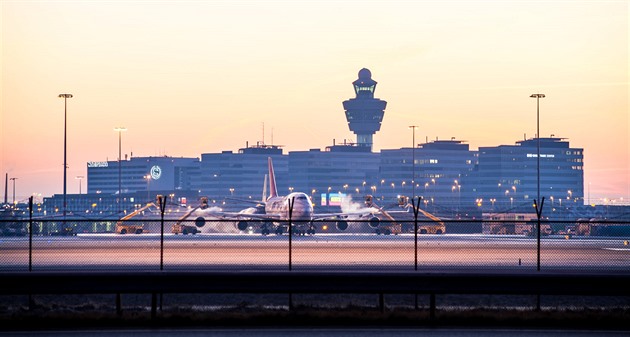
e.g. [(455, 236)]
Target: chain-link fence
[(155, 244)]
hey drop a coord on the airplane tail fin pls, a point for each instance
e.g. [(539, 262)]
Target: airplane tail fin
[(264, 193), (273, 190)]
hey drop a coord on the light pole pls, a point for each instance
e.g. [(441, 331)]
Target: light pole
[(79, 178), (120, 129), (538, 97), (413, 162), (14, 178), (65, 161)]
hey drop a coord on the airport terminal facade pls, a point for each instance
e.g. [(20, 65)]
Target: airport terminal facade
[(452, 179)]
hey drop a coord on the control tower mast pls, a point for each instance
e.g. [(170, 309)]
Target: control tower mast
[(364, 113)]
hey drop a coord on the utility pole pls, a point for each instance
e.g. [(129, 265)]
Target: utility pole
[(65, 157), (413, 162), (14, 178)]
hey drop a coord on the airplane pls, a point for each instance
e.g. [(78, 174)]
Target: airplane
[(273, 212)]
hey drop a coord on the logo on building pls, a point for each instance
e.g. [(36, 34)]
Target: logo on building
[(97, 164), (156, 172)]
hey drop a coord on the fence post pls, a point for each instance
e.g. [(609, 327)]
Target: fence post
[(162, 203), (291, 203), (416, 207), (30, 233), (538, 215)]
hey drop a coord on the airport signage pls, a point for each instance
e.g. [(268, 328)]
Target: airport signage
[(332, 199), (533, 155), (97, 164)]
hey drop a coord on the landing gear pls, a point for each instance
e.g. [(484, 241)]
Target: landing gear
[(378, 231), (265, 229), (311, 229)]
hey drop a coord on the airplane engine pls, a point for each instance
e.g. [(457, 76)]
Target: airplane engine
[(242, 225), (342, 225), (200, 221), (374, 222)]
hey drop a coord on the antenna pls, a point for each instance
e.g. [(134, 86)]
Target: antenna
[(263, 133), (6, 185)]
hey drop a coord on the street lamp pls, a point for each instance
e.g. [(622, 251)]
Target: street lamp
[(65, 161), (413, 162), (79, 178), (14, 178), (538, 97), (120, 129), (514, 189)]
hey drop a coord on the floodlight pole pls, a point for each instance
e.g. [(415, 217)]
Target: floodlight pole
[(413, 162), (65, 161), (538, 209)]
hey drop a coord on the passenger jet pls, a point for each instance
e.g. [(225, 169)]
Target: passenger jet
[(274, 216)]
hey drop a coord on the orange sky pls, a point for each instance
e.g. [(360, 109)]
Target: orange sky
[(195, 77)]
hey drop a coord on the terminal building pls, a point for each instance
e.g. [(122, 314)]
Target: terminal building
[(141, 174), (507, 175), (436, 171), (241, 175), (115, 187), (345, 169)]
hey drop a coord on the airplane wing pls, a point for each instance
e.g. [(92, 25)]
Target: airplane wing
[(246, 214), (359, 214)]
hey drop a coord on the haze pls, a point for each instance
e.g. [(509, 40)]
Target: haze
[(193, 77)]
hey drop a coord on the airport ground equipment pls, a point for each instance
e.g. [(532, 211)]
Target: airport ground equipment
[(182, 228), (437, 226), (391, 227), (132, 228)]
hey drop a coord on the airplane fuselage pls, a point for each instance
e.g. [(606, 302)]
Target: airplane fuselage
[(302, 206)]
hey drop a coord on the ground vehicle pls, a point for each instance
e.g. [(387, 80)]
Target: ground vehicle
[(435, 227), (129, 228), (67, 231), (184, 229), (392, 227), (386, 228), (179, 228), (135, 228)]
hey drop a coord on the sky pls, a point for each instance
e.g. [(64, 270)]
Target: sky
[(192, 77)]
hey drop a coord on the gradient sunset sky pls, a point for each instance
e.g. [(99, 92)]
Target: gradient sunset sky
[(193, 77)]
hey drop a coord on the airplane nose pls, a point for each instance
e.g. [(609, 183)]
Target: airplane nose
[(300, 213)]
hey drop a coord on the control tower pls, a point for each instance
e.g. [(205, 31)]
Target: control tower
[(364, 113)]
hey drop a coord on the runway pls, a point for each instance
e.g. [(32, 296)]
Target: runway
[(435, 253)]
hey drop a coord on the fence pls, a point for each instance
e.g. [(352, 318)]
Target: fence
[(363, 245)]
